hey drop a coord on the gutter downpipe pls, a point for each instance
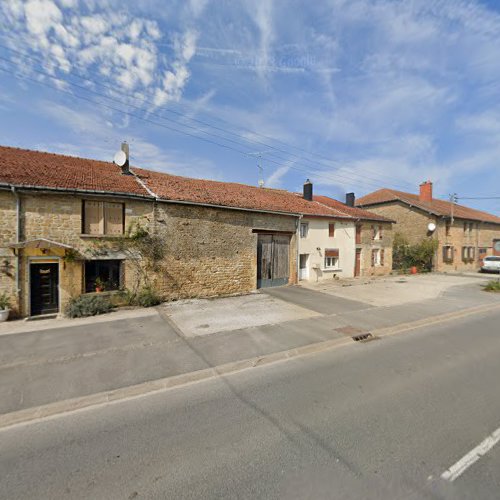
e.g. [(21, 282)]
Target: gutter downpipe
[(297, 237), (18, 239)]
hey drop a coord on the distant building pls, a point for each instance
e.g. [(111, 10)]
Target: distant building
[(465, 235)]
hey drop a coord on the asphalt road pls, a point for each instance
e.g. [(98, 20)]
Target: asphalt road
[(384, 419)]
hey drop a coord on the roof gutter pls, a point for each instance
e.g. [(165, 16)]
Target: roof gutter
[(21, 188)]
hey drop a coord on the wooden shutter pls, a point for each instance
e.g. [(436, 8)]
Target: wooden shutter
[(464, 253), (331, 230), (332, 252), (373, 258), (113, 217), (93, 220), (358, 234), (382, 257)]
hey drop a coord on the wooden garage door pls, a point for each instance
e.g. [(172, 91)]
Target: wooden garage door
[(273, 262)]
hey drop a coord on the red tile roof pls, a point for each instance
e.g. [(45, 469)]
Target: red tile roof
[(358, 213), (437, 207), (230, 194), (22, 167), (26, 168)]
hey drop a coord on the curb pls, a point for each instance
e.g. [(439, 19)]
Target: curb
[(102, 398)]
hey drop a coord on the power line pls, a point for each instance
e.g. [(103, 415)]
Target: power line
[(113, 90), (478, 197), (23, 77), (246, 153)]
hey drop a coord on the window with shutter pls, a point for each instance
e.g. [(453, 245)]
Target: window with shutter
[(113, 218), (382, 257), (373, 232), (374, 256), (93, 217), (100, 218), (331, 230)]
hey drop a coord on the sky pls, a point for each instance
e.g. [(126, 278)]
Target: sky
[(356, 95)]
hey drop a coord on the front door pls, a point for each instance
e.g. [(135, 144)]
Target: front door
[(357, 266), (273, 262), (303, 266), (44, 279)]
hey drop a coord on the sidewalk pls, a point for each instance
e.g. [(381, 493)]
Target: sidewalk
[(42, 367)]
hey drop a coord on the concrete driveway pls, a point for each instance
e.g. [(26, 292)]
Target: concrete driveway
[(395, 290)]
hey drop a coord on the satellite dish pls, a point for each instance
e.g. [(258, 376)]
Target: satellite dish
[(120, 158), (431, 227)]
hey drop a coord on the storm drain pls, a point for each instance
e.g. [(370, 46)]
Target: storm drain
[(364, 337)]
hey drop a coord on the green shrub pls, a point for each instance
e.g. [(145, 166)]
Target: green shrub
[(420, 255), (88, 305), (4, 301), (148, 297), (493, 286)]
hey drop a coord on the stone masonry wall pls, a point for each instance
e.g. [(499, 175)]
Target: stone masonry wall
[(208, 252), (368, 244), (212, 252)]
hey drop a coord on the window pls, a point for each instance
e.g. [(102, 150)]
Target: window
[(468, 254), (101, 217), (331, 258), (377, 257), (331, 230), (468, 227), (102, 272), (304, 229), (448, 227), (376, 232), (448, 254)]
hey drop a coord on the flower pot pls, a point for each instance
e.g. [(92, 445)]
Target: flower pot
[(413, 270), (98, 289), (4, 315)]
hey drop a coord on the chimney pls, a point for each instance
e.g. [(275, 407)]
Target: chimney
[(425, 191), (125, 166), (308, 190), (350, 199)]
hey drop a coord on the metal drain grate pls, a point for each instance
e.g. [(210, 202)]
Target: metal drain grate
[(364, 337)]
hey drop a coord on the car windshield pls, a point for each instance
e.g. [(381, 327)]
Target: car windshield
[(492, 259)]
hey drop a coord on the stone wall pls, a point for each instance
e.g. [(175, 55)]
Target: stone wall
[(208, 251), (212, 252), (368, 244), (412, 223)]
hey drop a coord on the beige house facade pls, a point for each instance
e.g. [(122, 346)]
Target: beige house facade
[(464, 235)]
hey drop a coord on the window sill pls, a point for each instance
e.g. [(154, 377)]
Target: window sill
[(103, 236), (104, 293), (331, 270)]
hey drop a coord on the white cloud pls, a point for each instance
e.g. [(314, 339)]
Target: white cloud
[(119, 46)]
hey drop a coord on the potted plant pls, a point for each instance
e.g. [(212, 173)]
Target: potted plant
[(4, 307), (99, 285)]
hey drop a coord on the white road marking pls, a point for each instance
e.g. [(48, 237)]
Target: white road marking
[(472, 457)]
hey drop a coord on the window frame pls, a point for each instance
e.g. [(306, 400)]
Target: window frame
[(90, 287), (103, 223), (331, 229), (305, 226)]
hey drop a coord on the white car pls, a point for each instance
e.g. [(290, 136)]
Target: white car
[(491, 264)]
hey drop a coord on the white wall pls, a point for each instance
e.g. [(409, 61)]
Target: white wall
[(318, 237)]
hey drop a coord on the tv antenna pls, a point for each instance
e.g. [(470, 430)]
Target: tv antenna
[(259, 165)]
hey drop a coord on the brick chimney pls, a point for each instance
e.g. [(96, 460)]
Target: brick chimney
[(425, 191), (350, 199), (308, 190)]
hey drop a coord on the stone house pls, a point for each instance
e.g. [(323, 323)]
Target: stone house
[(351, 242), (71, 225), (465, 235)]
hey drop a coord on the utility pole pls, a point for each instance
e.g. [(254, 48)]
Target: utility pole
[(453, 200)]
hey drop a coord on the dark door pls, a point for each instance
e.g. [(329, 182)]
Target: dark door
[(44, 279), (273, 263), (357, 267)]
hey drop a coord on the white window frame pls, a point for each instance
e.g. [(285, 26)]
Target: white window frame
[(304, 229), (334, 263)]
